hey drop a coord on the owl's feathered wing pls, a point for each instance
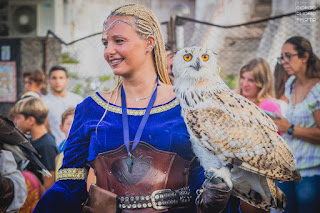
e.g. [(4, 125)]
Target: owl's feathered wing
[(237, 131), (13, 140), (226, 128)]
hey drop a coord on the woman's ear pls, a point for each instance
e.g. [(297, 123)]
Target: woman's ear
[(150, 43), (305, 57)]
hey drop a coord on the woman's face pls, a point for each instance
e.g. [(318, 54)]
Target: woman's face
[(248, 85), (31, 85), (291, 63), (124, 50), (27, 84)]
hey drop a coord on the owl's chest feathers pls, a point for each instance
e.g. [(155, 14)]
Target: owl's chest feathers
[(199, 95)]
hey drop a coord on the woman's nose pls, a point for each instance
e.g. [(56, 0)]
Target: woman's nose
[(109, 50), (283, 61)]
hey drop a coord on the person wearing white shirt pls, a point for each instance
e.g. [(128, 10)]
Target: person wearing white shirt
[(58, 100)]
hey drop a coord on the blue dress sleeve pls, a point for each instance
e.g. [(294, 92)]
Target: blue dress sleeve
[(67, 195)]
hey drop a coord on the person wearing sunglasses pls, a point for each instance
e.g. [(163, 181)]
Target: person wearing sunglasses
[(301, 123)]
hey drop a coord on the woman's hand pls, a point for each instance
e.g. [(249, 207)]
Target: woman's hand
[(307, 134), (282, 123)]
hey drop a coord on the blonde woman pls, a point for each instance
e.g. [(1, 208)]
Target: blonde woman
[(255, 83), (133, 137)]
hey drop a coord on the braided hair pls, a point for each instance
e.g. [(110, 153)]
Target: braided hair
[(146, 24)]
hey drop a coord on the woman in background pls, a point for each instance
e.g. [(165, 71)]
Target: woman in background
[(34, 84), (301, 123), (255, 83)]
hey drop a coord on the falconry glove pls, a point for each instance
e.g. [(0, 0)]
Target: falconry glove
[(214, 196)]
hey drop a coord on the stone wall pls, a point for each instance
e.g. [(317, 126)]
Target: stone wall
[(29, 56)]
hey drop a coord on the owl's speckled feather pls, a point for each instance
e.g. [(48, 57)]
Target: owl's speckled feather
[(226, 127)]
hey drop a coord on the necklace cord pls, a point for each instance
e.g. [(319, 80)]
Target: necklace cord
[(143, 122)]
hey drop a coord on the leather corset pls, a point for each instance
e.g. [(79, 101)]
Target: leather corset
[(152, 170)]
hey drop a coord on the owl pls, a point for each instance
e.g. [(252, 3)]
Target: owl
[(232, 137)]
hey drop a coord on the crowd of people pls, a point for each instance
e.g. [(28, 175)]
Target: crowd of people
[(43, 117), (124, 145)]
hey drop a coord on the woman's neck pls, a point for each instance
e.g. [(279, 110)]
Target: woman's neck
[(301, 78), (140, 85)]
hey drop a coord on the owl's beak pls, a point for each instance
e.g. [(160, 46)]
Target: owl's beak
[(196, 65)]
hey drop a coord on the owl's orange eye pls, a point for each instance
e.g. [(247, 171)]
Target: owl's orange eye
[(205, 57), (187, 57)]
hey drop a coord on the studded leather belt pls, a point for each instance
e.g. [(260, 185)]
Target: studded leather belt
[(158, 200)]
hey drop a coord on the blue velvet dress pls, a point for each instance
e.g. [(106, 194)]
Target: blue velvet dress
[(165, 130)]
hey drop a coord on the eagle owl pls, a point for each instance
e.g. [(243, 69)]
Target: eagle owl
[(226, 128)]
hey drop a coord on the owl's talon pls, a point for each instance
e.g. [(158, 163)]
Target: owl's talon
[(209, 175), (219, 175), (216, 180), (229, 166)]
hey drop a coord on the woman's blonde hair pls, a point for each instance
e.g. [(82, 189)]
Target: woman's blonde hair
[(146, 24), (262, 77)]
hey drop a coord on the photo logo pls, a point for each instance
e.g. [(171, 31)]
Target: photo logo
[(305, 13)]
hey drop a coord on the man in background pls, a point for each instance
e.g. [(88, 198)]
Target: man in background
[(58, 100)]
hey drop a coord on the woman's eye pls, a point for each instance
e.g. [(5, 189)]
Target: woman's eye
[(119, 41), (187, 57), (105, 43), (205, 57)]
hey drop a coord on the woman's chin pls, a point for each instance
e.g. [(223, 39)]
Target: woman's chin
[(119, 72)]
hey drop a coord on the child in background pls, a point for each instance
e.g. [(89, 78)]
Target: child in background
[(29, 115), (65, 126)]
